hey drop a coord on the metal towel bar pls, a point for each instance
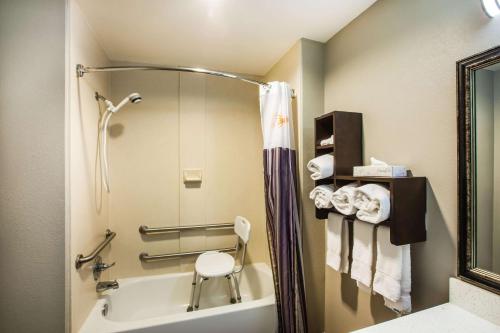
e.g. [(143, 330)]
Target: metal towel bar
[(144, 257), (145, 230), (80, 259)]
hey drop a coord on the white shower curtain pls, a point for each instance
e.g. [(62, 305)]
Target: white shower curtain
[(283, 225)]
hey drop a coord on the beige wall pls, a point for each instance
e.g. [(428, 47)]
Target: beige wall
[(302, 68), (32, 110), (185, 121), (88, 207), (396, 64)]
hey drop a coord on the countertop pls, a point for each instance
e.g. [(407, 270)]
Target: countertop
[(444, 318)]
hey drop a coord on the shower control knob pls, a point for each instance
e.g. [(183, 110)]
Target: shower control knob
[(100, 266), (103, 266)]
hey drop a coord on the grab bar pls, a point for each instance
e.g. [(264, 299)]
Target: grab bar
[(144, 257), (145, 230), (80, 259)]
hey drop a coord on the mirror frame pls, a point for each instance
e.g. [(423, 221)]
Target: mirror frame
[(466, 210)]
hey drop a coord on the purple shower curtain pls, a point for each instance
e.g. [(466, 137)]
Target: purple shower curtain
[(282, 216)]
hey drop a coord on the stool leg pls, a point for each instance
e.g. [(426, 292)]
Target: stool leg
[(197, 304), (237, 287), (193, 289), (231, 294)]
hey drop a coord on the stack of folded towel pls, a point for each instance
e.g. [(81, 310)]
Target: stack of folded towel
[(321, 167), (322, 196), (326, 142)]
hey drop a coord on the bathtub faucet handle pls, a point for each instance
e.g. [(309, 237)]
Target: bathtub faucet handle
[(99, 267), (103, 266)]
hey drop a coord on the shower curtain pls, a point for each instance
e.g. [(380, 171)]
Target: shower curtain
[(282, 216)]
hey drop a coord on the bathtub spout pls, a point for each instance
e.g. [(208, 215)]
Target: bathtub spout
[(106, 285)]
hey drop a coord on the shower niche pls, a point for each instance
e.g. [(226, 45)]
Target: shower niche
[(408, 194)]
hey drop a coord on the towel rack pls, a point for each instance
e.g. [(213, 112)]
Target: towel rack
[(407, 194), (81, 259), (145, 230), (145, 257)]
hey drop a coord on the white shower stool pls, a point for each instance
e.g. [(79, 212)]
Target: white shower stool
[(214, 264)]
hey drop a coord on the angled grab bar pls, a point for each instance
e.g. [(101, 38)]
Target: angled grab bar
[(145, 230), (145, 257), (81, 259)]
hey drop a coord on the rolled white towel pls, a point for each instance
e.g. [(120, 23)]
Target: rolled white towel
[(322, 196), (321, 167), (326, 142), (343, 199), (373, 202)]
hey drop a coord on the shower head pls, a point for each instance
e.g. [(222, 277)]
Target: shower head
[(103, 127), (133, 97)]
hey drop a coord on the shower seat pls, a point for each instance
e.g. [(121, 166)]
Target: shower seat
[(214, 264)]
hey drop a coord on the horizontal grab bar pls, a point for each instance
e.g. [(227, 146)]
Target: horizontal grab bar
[(145, 230), (144, 257), (80, 259)]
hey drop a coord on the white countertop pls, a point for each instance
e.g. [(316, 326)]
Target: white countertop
[(445, 318)]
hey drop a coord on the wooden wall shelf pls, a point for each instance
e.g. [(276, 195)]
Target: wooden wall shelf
[(408, 194)]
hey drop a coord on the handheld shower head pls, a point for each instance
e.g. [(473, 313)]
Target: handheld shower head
[(103, 127), (135, 98)]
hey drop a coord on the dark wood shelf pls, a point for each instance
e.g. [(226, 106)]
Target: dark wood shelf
[(346, 127), (325, 147), (408, 194), (374, 179)]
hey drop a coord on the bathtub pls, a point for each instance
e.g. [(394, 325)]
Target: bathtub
[(158, 303)]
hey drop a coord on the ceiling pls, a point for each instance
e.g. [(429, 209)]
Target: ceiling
[(243, 36)]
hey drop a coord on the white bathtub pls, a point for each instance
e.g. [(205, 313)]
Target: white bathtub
[(155, 304)]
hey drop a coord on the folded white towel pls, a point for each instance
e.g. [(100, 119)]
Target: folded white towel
[(393, 272), (362, 254), (321, 166), (337, 243), (322, 196), (343, 199), (373, 202), (326, 142)]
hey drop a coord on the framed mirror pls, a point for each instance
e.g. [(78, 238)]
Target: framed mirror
[(478, 84)]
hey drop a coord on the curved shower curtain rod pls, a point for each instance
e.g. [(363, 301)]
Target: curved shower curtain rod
[(81, 70)]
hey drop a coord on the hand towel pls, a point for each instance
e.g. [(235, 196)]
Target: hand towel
[(373, 202), (321, 166), (337, 243), (326, 142), (393, 272), (362, 254), (343, 199), (322, 196)]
